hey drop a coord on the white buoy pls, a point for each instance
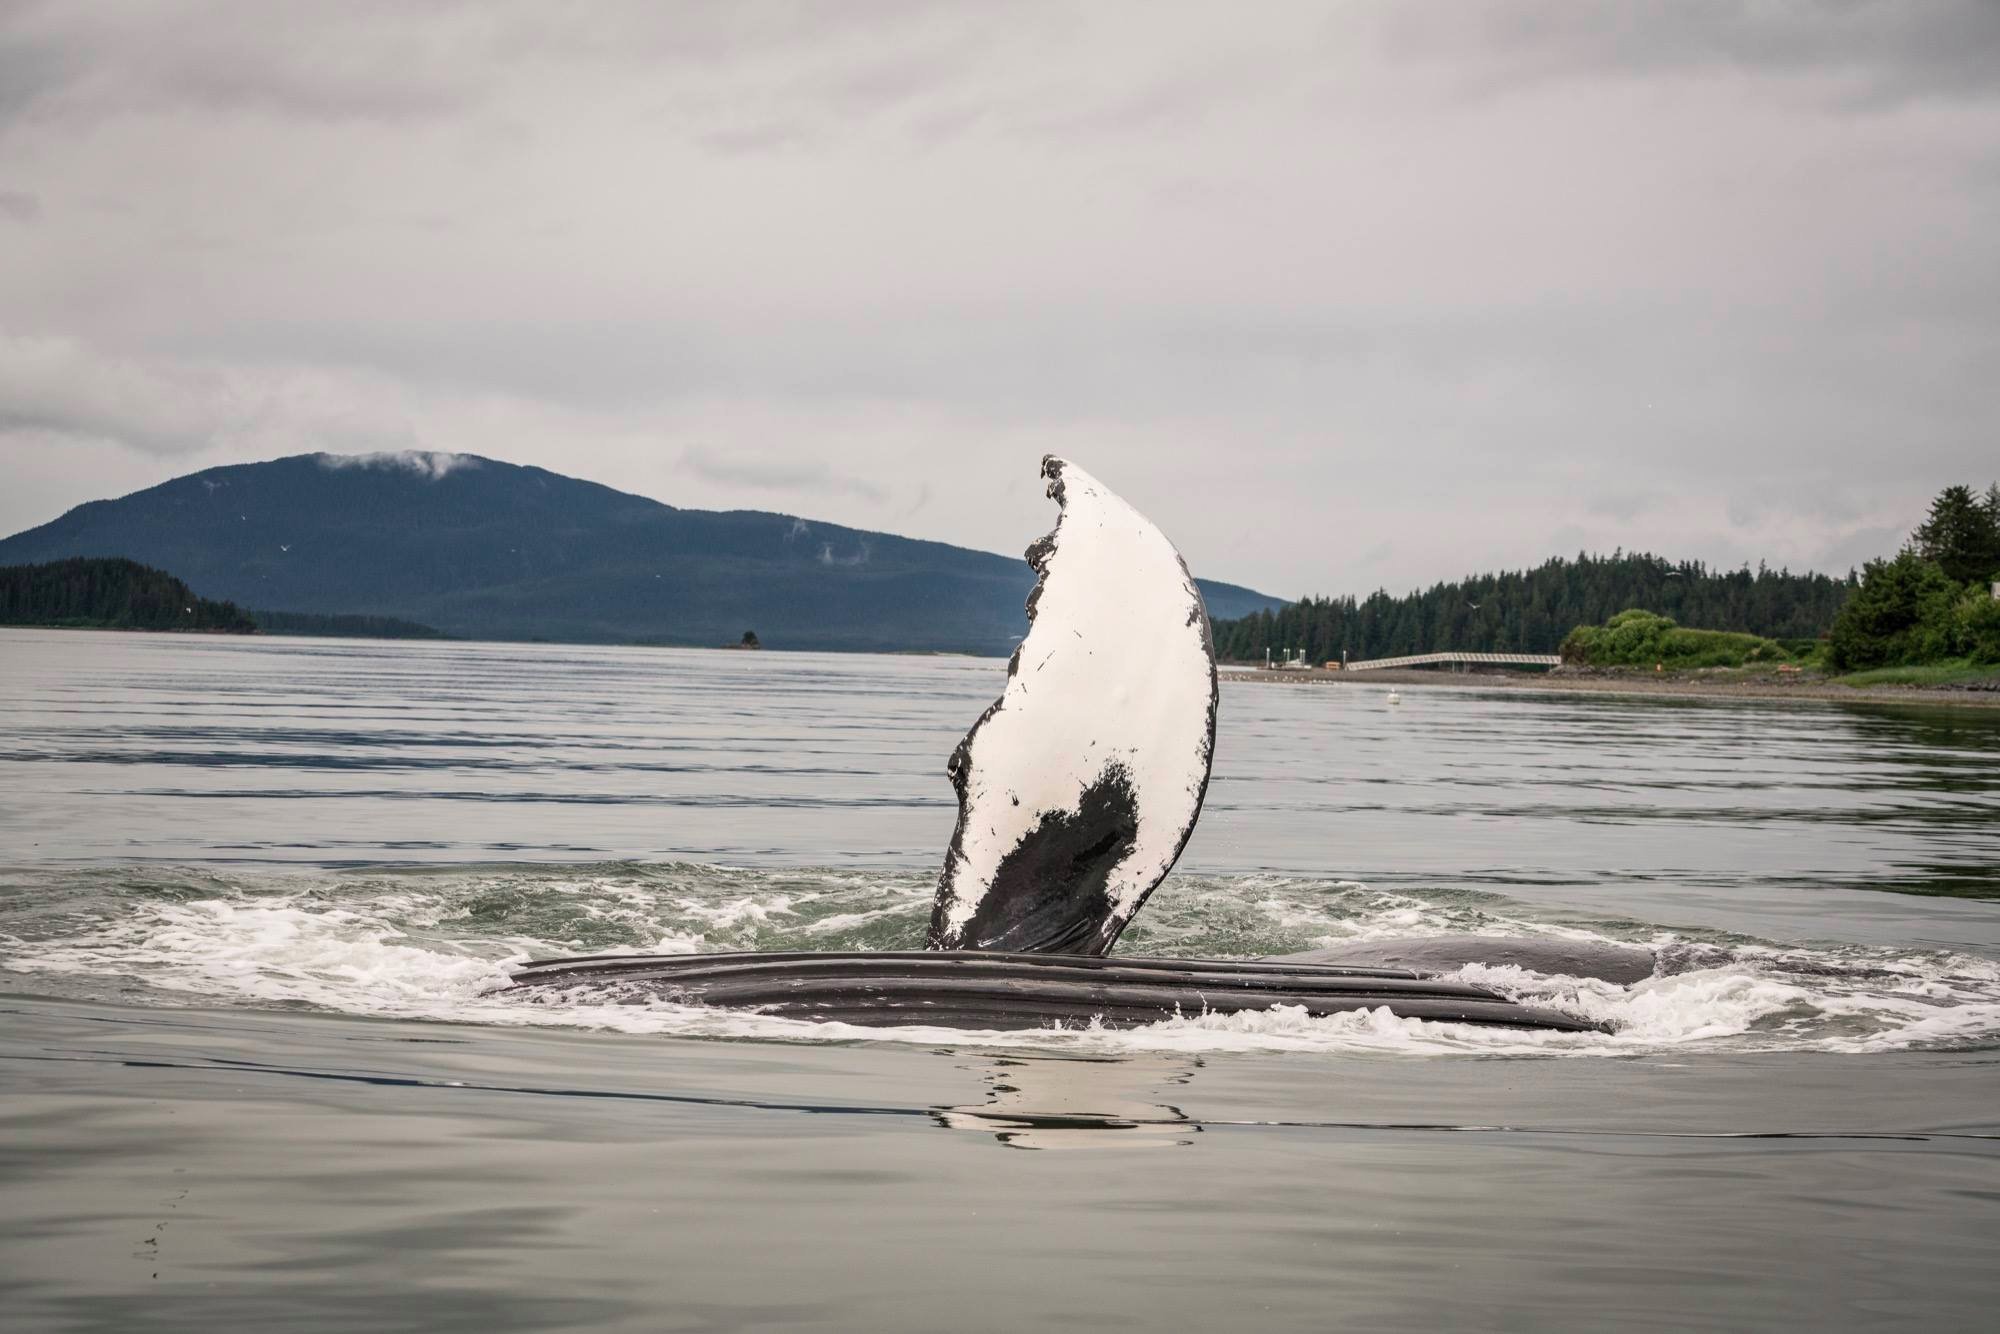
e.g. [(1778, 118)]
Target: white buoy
[(1395, 697)]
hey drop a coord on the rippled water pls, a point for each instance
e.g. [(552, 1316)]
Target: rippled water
[(254, 896)]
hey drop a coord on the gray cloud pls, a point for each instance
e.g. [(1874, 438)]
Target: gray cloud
[(56, 385), (380, 60), (61, 388), (1877, 51), (335, 62), (427, 463), (1372, 293), (807, 477)]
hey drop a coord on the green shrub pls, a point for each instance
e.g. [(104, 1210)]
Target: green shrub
[(1639, 638), (1978, 624), (1952, 671), (1809, 653)]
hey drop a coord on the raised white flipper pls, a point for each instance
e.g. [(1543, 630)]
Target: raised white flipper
[(1079, 787)]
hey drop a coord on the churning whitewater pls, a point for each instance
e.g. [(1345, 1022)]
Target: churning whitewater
[(432, 944)]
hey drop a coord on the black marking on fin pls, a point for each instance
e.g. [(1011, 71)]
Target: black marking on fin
[(1048, 896)]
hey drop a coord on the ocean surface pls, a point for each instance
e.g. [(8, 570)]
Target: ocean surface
[(255, 896)]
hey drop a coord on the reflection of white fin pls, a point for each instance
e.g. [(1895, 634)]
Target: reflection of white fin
[(1078, 788)]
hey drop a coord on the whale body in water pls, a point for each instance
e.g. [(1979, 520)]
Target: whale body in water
[(1077, 790)]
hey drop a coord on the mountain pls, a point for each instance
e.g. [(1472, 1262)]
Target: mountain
[(487, 550)]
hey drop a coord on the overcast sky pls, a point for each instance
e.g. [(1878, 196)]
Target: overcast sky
[(1343, 295)]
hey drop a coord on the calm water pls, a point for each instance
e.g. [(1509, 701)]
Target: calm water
[(253, 895)]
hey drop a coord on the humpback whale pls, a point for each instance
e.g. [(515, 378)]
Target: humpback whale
[(1077, 790)]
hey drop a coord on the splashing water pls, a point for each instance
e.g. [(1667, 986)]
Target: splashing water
[(435, 944)]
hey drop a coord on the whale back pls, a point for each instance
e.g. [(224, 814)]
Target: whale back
[(1079, 786)]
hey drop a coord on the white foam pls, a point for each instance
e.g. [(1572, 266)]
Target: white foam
[(407, 950), (739, 911)]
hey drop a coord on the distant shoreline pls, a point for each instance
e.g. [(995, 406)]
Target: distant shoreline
[(1669, 686), (1767, 690)]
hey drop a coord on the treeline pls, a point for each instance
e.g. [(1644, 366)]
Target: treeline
[(342, 626), (113, 593), (1531, 611)]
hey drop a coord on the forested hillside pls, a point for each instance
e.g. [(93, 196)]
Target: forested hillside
[(114, 593), (1530, 611)]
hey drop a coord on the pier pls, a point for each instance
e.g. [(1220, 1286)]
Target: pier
[(1458, 659)]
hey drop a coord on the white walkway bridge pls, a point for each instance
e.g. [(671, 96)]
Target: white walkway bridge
[(1455, 659)]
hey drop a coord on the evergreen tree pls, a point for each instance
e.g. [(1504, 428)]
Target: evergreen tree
[(1962, 534), (1902, 613)]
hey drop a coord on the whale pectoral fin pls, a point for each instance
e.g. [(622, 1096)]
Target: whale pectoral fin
[(1079, 786)]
